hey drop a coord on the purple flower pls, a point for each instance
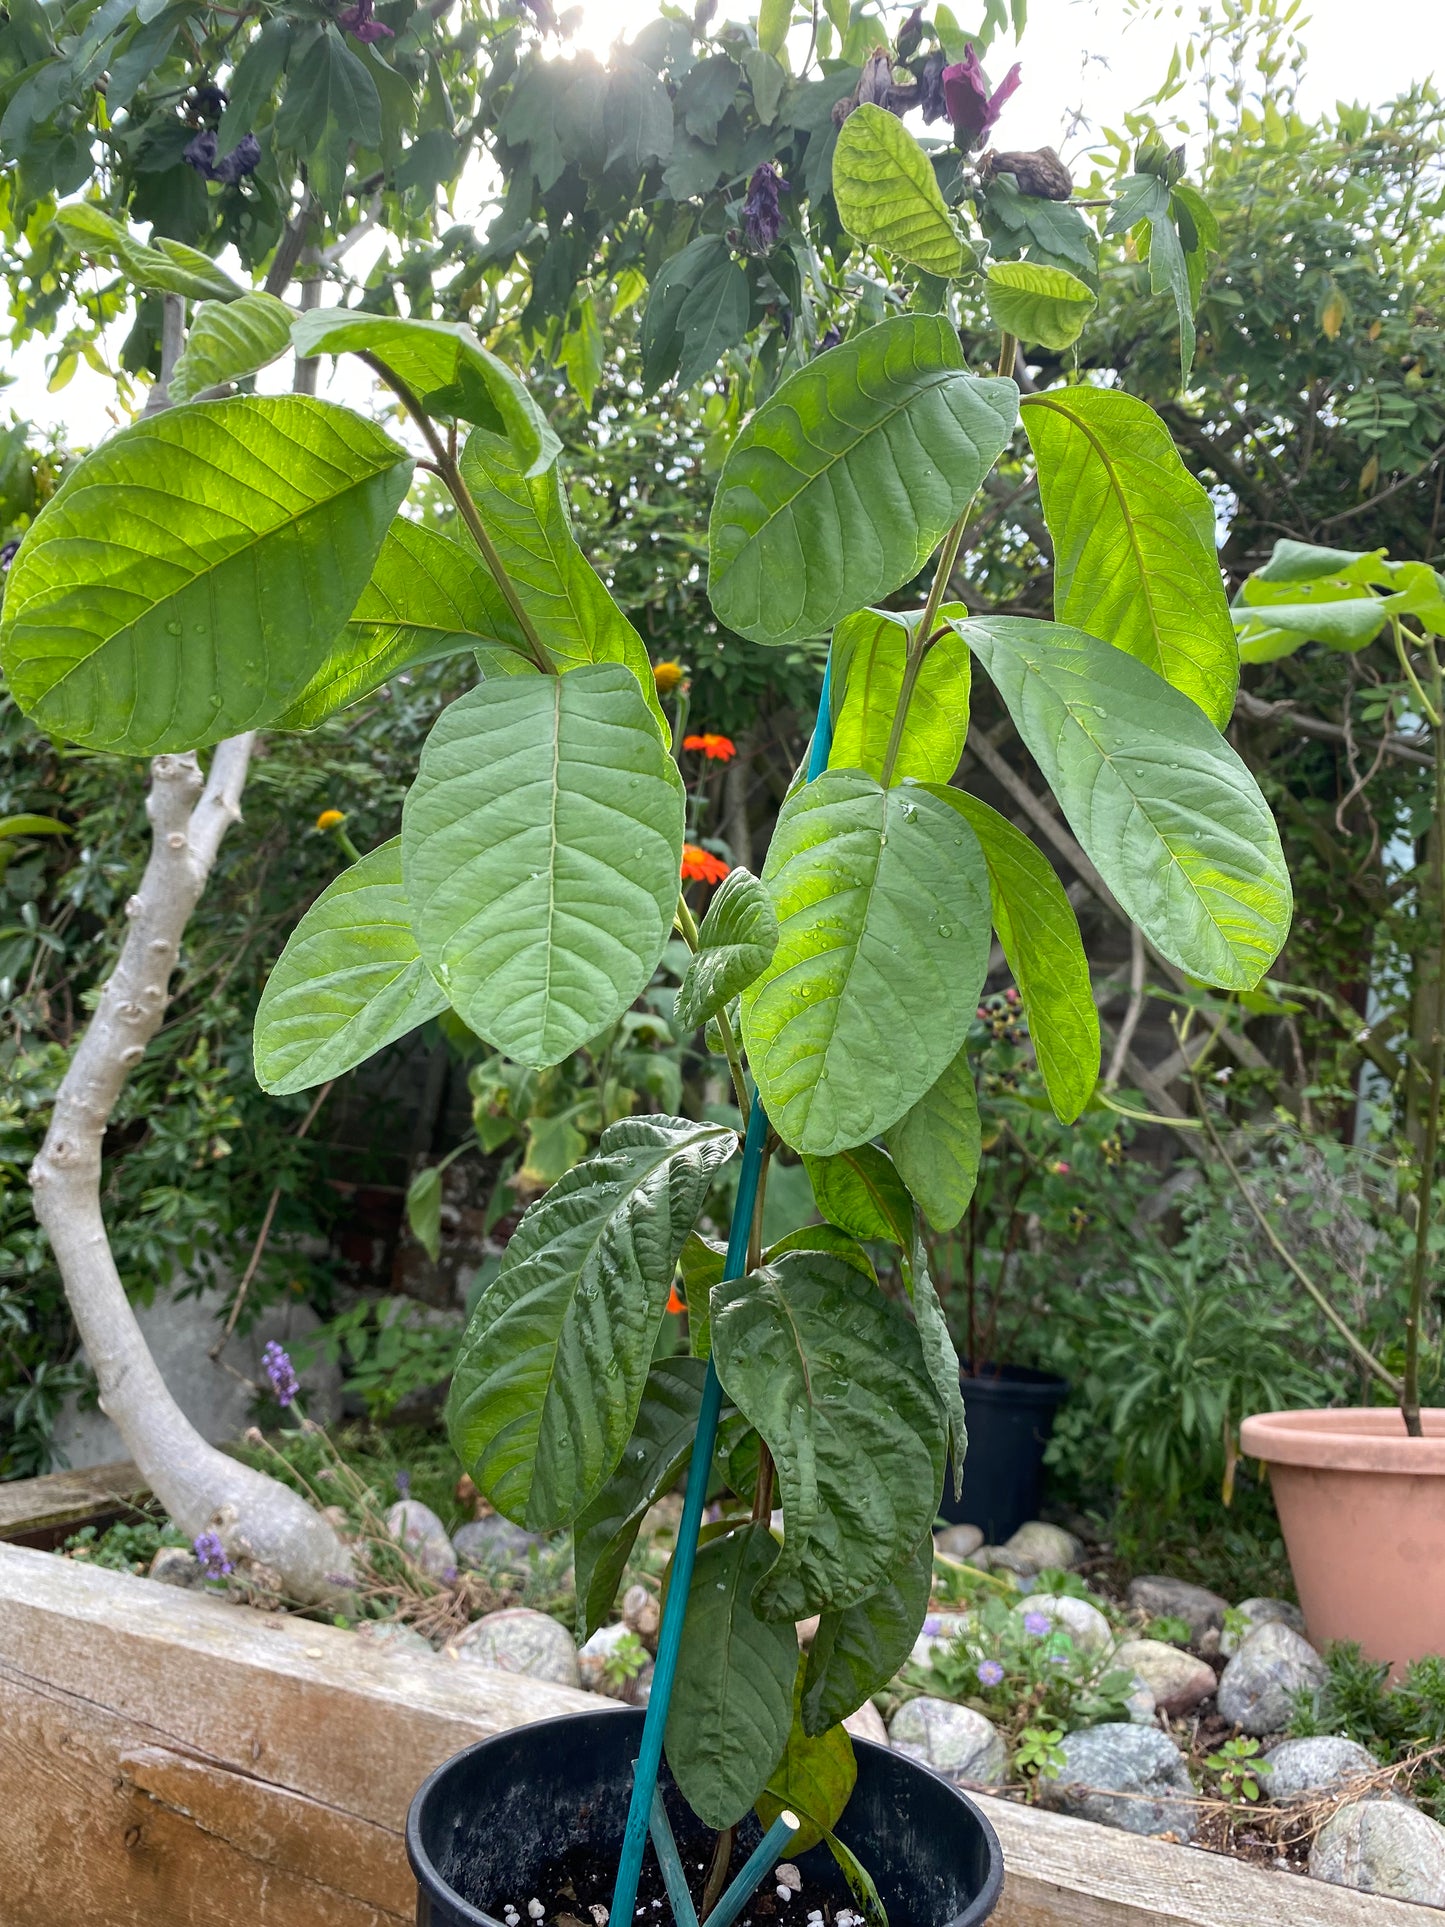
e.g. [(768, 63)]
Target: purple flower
[(208, 100), (933, 1625), (281, 1372), (762, 211), (7, 555), (829, 340), (990, 1672), (212, 1555), (357, 19), (403, 1485), (241, 161), (971, 107), (1037, 1624), (200, 153)]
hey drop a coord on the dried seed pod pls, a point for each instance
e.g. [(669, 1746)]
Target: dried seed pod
[(1040, 173)]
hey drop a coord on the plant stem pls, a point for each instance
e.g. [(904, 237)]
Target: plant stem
[(921, 640), (717, 1872), (687, 924), (1429, 1150), (1008, 354), (451, 474)]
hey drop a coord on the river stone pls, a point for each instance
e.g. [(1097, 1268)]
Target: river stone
[(1159, 1597), (938, 1629), (1085, 1624), (1382, 1847), (1104, 1762), (483, 1545), (1319, 1765), (957, 1542), (954, 1740), (1257, 1688), (592, 1666), (1177, 1680), (424, 1537), (867, 1724), (176, 1566), (1261, 1612), (1141, 1703), (518, 1640), (1038, 1545), (394, 1637)]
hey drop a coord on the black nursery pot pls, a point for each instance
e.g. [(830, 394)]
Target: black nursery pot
[(487, 1821), (1010, 1411)]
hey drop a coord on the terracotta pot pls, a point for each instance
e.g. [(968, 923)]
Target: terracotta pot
[(1362, 1507)]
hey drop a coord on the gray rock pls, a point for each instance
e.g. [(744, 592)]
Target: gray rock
[(1160, 1597), (954, 1740), (1177, 1680), (598, 1675), (393, 1636), (1107, 1768), (486, 1545), (957, 1542), (518, 1640), (1085, 1624), (1141, 1703), (1257, 1688), (1382, 1847), (1038, 1545), (1261, 1612), (1320, 1765), (176, 1566), (423, 1536), (867, 1724)]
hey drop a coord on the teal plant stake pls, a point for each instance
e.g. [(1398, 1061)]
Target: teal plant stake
[(669, 1639)]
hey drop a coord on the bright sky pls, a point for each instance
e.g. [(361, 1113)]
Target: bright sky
[(1102, 55)]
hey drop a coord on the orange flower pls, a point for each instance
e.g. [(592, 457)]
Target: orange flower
[(331, 819), (667, 675), (701, 865), (717, 749), (674, 1303)]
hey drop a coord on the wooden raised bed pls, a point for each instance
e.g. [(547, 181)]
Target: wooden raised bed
[(170, 1761), (44, 1512)]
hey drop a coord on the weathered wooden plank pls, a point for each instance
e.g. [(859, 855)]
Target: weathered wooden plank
[(44, 1510)]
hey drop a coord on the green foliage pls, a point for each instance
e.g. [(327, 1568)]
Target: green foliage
[(814, 1779), (855, 1653), (886, 192), (1238, 1770), (127, 1546), (869, 654), (735, 944), (1037, 303), (228, 340), (936, 1145), (1401, 1724)]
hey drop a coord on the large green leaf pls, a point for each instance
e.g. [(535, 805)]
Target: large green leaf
[(1272, 630), (883, 937), (860, 1192), (848, 477), (429, 597), (732, 1702), (814, 1779), (736, 941), (869, 651), (1135, 559), (331, 100), (1040, 936), (1038, 303), (697, 309), (856, 1653), (448, 371), (542, 847), (349, 981), (167, 267), (188, 579), (937, 1145), (940, 1359), (888, 195), (228, 340), (1169, 815), (552, 1369), (832, 1375), (563, 595), (651, 1464)]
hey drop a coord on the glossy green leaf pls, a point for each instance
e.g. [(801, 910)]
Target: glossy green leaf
[(188, 578), (429, 597), (888, 195), (1169, 815), (736, 941), (848, 477), (228, 340), (1271, 630), (826, 1238), (563, 595), (1037, 303), (349, 982), (937, 1145), (814, 1779), (861, 1193), (552, 1369), (732, 1702), (832, 1375), (701, 1266), (165, 267), (1307, 562), (883, 938), (1040, 936), (653, 1461), (1135, 559), (446, 368), (940, 1359), (856, 1653), (869, 651), (542, 849)]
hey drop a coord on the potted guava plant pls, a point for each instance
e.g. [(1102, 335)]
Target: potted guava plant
[(1373, 1476), (248, 563)]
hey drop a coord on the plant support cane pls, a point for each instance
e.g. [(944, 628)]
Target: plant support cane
[(669, 1642)]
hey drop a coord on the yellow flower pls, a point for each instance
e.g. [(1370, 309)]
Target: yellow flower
[(667, 675), (331, 819)]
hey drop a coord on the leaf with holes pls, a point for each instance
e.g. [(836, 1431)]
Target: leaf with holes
[(1166, 811), (228, 340), (844, 482), (736, 940), (188, 578), (1038, 303), (856, 1653), (1135, 559), (937, 1145), (542, 847), (833, 1376), (883, 938), (869, 651), (552, 1369), (888, 195), (859, 1192)]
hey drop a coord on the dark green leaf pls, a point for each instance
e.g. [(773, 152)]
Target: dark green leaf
[(937, 1144), (940, 1359), (636, 116), (861, 1193), (736, 941), (330, 102), (856, 1653), (697, 309), (424, 1210)]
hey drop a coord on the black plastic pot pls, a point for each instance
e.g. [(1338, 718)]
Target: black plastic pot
[(488, 1820), (1010, 1411)]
